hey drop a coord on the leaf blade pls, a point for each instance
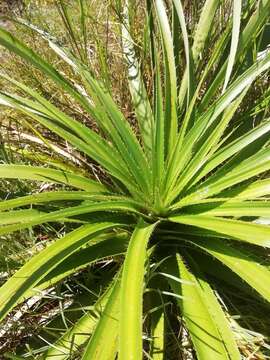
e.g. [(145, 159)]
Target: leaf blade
[(130, 346)]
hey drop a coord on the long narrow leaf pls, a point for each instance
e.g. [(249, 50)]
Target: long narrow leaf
[(234, 43), (238, 230), (65, 214), (36, 268), (136, 85), (107, 328), (130, 331), (201, 34), (100, 247), (171, 83), (181, 155), (16, 46), (239, 261), (78, 334), (50, 175), (203, 316)]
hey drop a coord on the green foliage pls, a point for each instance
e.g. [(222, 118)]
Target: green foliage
[(182, 185)]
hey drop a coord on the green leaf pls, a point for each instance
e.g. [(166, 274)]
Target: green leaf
[(156, 315), (232, 208), (13, 44), (96, 148), (253, 190), (41, 264), (136, 85), (239, 261), (158, 334), (188, 54), (182, 153), (205, 320), (253, 27), (17, 216), (108, 116), (205, 148), (227, 151), (50, 175), (100, 247), (170, 77), (48, 196), (103, 343), (131, 298), (97, 144), (234, 229), (80, 332), (234, 42), (66, 214), (202, 32), (122, 135), (203, 28), (159, 134), (226, 177)]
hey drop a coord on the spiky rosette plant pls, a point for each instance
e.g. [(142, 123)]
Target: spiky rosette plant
[(185, 195)]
